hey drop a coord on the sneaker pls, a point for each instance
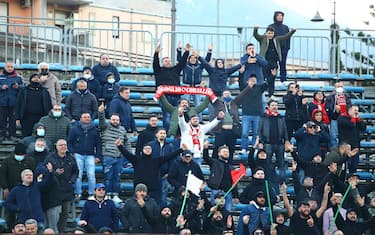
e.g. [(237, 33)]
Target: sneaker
[(91, 197), (128, 165), (116, 199), (77, 197)]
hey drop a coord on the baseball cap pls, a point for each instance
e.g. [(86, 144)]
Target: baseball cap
[(259, 193), (99, 185), (310, 124), (187, 153)]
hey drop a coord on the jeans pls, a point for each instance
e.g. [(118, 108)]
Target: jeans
[(85, 162), (196, 99), (7, 118), (278, 150), (112, 167), (164, 190), (249, 122), (228, 199), (334, 132), (51, 217), (173, 100)]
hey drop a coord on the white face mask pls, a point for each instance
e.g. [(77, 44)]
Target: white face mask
[(39, 149), (56, 113), (339, 90), (40, 132), (111, 80), (88, 76)]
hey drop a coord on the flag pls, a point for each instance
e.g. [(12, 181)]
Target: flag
[(237, 173), (193, 184)]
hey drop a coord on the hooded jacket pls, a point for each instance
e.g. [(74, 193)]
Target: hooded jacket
[(101, 214), (192, 73), (253, 68), (281, 29), (308, 144), (56, 127), (218, 77), (259, 217), (10, 170), (77, 103), (109, 90), (256, 185), (29, 141), (254, 163), (146, 168), (124, 109), (99, 72), (147, 135), (85, 142), (8, 97)]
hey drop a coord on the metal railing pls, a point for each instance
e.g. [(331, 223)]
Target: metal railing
[(132, 44)]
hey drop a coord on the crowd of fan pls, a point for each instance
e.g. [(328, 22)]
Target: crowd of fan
[(44, 174)]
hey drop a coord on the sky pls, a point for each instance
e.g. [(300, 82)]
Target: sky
[(254, 12)]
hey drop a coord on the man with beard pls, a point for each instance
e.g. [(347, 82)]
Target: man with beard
[(352, 225), (255, 215), (146, 168), (18, 228), (112, 159), (304, 220), (166, 223), (221, 219), (256, 185)]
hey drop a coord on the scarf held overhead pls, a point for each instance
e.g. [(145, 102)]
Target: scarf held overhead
[(182, 90)]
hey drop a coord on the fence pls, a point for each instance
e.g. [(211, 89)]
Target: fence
[(131, 45)]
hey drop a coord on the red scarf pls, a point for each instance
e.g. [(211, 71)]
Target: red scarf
[(341, 101), (270, 113), (322, 107), (352, 119)]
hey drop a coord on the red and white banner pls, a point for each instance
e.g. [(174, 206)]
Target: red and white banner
[(182, 90)]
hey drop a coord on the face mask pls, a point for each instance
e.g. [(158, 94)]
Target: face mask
[(339, 90), (39, 149), (40, 132), (82, 90), (34, 84), (44, 71), (111, 80), (87, 76), (56, 113), (227, 99), (19, 157)]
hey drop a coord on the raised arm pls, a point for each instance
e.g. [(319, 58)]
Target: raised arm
[(287, 205), (256, 35), (184, 58), (156, 62), (323, 206), (128, 155)]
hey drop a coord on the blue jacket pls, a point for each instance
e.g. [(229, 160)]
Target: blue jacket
[(164, 150), (307, 144), (8, 97), (101, 214), (124, 109), (100, 72), (84, 142), (178, 172), (218, 77), (281, 29), (109, 91), (192, 73), (25, 200), (253, 68), (258, 217)]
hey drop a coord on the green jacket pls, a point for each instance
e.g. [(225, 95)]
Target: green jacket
[(173, 110), (263, 41)]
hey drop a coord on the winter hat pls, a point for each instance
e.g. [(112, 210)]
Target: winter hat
[(20, 149), (105, 229), (141, 187), (258, 169), (87, 67), (33, 75)]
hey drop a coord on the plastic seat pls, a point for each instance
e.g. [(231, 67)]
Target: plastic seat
[(138, 109), (154, 110), (303, 76), (144, 70), (149, 96), (362, 102), (125, 82), (348, 76), (148, 83), (135, 95), (65, 93), (326, 76), (76, 68), (124, 69), (367, 76)]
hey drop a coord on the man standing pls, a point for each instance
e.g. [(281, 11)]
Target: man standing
[(33, 102), (10, 83), (147, 134), (104, 67), (281, 29), (273, 136), (81, 101), (85, 143), (193, 133), (92, 84), (56, 125), (49, 80), (254, 64), (121, 105), (24, 199), (100, 212), (140, 212), (168, 75), (66, 172), (112, 159)]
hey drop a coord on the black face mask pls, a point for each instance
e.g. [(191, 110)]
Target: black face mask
[(34, 84), (44, 71), (82, 91)]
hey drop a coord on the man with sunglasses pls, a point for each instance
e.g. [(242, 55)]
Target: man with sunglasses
[(99, 211)]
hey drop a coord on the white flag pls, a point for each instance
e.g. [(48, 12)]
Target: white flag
[(193, 184)]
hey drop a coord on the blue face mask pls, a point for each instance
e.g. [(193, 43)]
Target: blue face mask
[(40, 132), (227, 99), (19, 157)]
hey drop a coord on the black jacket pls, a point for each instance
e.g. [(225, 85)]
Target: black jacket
[(168, 76), (265, 127), (68, 178), (147, 135), (139, 220), (77, 103), (10, 170), (293, 107), (256, 185), (22, 101), (254, 163), (350, 130), (178, 172)]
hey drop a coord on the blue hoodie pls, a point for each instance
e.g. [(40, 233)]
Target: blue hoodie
[(281, 29), (218, 77), (124, 109)]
